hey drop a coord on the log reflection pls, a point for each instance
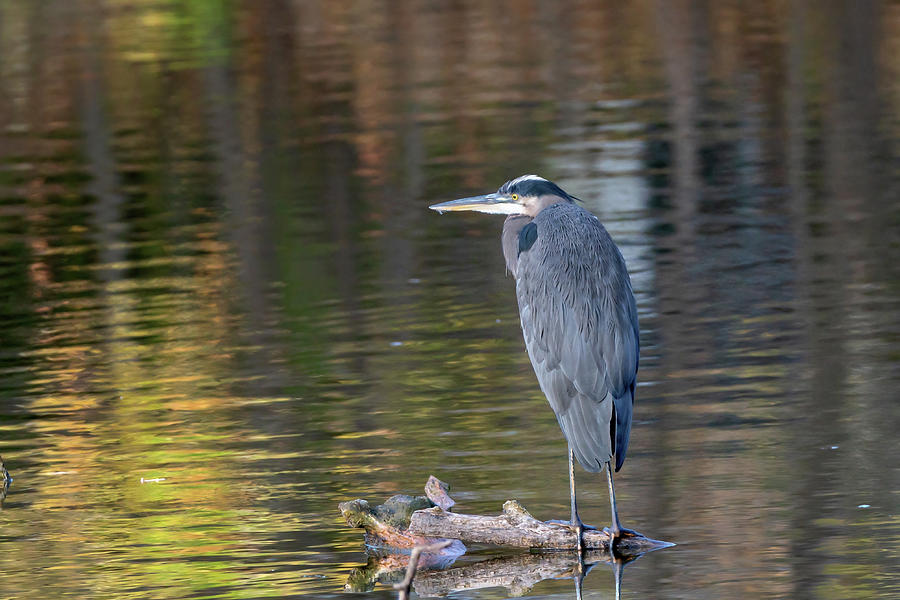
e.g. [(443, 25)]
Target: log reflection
[(517, 573)]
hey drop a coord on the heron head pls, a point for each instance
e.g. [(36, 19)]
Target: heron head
[(525, 195)]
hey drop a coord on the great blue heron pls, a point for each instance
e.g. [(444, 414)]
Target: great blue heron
[(579, 320)]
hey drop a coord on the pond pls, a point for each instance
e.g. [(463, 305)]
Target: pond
[(225, 307)]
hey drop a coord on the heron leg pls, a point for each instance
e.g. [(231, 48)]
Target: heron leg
[(616, 526), (577, 525), (618, 567), (579, 577), (615, 532)]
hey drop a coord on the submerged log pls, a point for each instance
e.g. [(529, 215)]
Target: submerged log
[(404, 522)]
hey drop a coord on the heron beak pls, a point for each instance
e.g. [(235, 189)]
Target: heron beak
[(495, 204)]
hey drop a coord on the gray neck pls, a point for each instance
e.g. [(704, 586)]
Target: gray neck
[(514, 224), (510, 239)]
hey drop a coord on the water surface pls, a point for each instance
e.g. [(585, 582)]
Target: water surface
[(225, 308)]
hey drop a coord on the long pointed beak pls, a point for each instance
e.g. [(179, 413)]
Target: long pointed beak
[(488, 203)]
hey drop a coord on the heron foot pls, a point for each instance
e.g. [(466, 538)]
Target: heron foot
[(578, 528), (622, 533), (615, 536)]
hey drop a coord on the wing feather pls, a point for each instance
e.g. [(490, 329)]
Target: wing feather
[(579, 322)]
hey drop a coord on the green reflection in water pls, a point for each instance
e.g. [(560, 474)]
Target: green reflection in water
[(217, 271)]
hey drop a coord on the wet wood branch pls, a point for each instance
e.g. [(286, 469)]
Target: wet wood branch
[(404, 522), (514, 527)]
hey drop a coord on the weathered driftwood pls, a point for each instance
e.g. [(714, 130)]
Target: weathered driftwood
[(405, 522), (439, 493), (515, 527), (387, 525)]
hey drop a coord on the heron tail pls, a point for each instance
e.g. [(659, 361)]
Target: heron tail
[(585, 426), (622, 412)]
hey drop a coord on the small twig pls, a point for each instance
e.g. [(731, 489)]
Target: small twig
[(405, 585)]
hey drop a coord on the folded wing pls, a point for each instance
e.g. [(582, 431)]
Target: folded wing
[(580, 326)]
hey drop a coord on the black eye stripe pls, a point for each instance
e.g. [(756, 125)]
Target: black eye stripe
[(532, 188)]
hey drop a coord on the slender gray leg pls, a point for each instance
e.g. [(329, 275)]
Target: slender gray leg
[(616, 528), (577, 525), (579, 579), (618, 566)]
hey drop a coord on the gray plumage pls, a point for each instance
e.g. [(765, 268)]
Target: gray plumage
[(579, 320), (580, 325)]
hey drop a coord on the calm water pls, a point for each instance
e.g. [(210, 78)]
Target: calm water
[(224, 307)]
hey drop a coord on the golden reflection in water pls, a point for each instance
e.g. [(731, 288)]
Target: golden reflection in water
[(218, 276)]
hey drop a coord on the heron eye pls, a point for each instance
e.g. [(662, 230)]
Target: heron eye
[(515, 196)]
